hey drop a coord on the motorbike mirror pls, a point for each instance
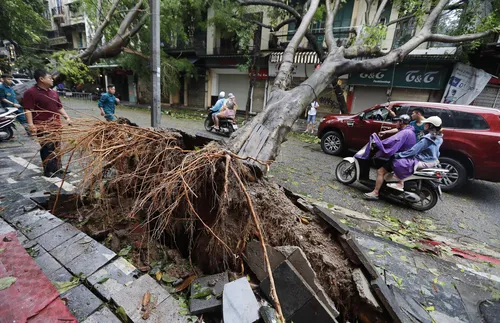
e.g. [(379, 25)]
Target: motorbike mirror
[(361, 115)]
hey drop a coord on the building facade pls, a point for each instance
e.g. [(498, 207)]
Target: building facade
[(69, 27)]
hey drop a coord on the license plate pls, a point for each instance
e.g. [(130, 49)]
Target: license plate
[(235, 126)]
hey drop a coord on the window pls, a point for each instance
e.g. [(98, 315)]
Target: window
[(291, 30), (466, 120), (445, 115), (379, 114), (342, 20)]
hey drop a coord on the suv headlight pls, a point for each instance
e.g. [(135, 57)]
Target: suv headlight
[(322, 119)]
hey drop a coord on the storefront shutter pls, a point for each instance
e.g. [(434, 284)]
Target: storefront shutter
[(490, 97)]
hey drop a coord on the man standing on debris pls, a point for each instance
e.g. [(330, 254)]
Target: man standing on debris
[(43, 110), (8, 99), (107, 103)]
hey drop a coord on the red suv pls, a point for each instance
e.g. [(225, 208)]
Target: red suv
[(471, 147)]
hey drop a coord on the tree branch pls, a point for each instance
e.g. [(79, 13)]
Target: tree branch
[(455, 6), (129, 18), (459, 39), (283, 78), (434, 15), (330, 15), (271, 3), (379, 12), (369, 4), (138, 26), (278, 26), (99, 32), (134, 52)]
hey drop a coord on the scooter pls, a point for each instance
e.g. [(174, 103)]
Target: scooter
[(226, 125), (421, 190), (7, 118)]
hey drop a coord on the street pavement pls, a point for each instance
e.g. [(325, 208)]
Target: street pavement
[(471, 215), (434, 283)]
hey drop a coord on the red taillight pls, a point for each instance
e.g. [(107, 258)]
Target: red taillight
[(438, 175)]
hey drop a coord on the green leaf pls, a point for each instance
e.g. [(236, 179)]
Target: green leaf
[(2, 249), (295, 183), (122, 315), (6, 282), (461, 225), (429, 308), (168, 279), (125, 251), (204, 292), (63, 287), (103, 280), (434, 271), (404, 258)]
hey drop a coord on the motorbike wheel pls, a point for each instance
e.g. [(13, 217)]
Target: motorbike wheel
[(208, 125), (6, 133), (429, 198), (346, 172)]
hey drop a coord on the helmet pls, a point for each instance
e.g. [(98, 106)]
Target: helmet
[(434, 120), (403, 118), (230, 95), (222, 94)]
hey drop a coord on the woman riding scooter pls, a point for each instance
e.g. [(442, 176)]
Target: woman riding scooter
[(423, 154)]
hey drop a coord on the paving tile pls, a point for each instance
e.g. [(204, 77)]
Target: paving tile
[(293, 292), (81, 302), (313, 311), (71, 248), (238, 302), (47, 263), (254, 257), (24, 221), (61, 275), (57, 236), (12, 210), (130, 298), (168, 311), (91, 259), (116, 274), (216, 283), (104, 315), (5, 227), (41, 226)]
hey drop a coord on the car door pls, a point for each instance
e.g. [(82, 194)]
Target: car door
[(369, 122)]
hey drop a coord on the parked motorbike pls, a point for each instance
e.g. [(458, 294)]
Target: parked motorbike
[(7, 118), (226, 125), (421, 190)]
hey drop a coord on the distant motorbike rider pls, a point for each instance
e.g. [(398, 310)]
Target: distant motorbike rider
[(228, 111), (218, 105), (402, 141), (8, 99)]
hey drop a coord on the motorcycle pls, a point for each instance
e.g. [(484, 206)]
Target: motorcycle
[(226, 125), (421, 190), (7, 118)]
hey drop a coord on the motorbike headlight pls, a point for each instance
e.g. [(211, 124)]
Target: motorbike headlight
[(322, 119)]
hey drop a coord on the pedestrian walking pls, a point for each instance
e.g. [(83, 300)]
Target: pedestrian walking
[(43, 110), (107, 103), (8, 99), (311, 112)]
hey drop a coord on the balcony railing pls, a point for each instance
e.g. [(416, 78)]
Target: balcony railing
[(281, 40), (57, 11)]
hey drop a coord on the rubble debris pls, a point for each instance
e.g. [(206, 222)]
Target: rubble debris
[(363, 287), (210, 302), (299, 301), (239, 304)]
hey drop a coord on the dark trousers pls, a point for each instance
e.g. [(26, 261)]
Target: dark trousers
[(48, 153)]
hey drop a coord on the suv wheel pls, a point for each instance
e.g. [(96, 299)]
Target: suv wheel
[(457, 174), (332, 143)]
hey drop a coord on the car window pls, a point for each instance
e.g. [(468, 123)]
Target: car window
[(399, 110), (445, 115), (465, 120), (379, 114)]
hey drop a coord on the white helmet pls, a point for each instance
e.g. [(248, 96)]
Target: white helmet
[(434, 120), (222, 94)]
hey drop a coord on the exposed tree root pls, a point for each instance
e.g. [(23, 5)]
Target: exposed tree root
[(205, 199)]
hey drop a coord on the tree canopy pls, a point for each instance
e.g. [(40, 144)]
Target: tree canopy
[(23, 21)]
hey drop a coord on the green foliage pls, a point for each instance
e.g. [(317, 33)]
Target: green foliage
[(22, 21), (30, 60), (374, 35), (75, 71)]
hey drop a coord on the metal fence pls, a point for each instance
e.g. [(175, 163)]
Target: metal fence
[(76, 95)]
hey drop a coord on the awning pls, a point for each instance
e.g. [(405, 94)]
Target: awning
[(300, 58)]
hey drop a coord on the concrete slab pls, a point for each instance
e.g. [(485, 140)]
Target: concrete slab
[(5, 227), (293, 291), (47, 263), (130, 298), (112, 278), (254, 257), (313, 311), (364, 290), (61, 275), (216, 283), (57, 236), (71, 248), (25, 220), (168, 311), (81, 302), (387, 298), (239, 304), (104, 315), (41, 226), (91, 259)]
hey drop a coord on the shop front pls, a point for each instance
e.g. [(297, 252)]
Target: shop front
[(405, 82)]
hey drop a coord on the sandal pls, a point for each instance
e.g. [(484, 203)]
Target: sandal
[(370, 196)]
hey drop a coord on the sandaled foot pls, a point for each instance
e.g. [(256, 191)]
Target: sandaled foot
[(370, 196)]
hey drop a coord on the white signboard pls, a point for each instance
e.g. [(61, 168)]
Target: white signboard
[(465, 84)]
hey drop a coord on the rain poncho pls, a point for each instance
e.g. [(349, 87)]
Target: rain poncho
[(402, 141)]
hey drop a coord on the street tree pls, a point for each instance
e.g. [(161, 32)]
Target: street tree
[(262, 137)]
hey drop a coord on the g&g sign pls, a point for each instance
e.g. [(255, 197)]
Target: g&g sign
[(409, 76)]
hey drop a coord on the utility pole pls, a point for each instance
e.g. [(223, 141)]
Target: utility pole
[(155, 63)]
